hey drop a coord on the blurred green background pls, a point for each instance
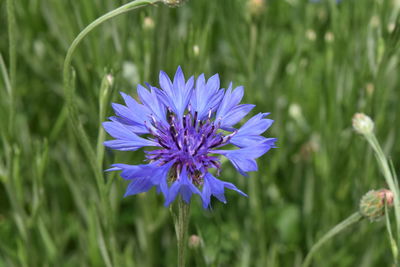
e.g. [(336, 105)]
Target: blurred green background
[(312, 65)]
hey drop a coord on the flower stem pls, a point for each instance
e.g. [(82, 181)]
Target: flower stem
[(389, 178), (181, 228), (355, 217), (69, 76), (12, 64)]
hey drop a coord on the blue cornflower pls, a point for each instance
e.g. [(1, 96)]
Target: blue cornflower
[(186, 123)]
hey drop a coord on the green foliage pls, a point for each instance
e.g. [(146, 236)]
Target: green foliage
[(312, 65)]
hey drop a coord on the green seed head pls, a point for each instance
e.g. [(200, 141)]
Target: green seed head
[(372, 204)]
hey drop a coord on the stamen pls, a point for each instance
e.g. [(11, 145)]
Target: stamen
[(202, 141), (217, 142), (184, 121), (212, 130), (161, 142), (153, 119), (185, 142), (172, 129), (195, 119), (228, 137)]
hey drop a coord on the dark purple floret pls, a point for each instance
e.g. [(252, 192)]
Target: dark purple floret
[(186, 123)]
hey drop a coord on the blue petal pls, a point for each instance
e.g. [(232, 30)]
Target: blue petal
[(229, 113), (182, 91), (230, 100), (206, 96), (138, 185), (160, 177), (176, 95), (216, 187), (135, 128), (144, 177), (130, 172), (183, 186), (165, 83), (179, 82), (133, 114), (150, 100), (124, 112), (249, 133), (235, 115), (244, 159), (126, 139)]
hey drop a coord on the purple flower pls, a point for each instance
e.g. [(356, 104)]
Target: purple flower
[(186, 123)]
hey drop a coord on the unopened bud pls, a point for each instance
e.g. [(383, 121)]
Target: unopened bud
[(311, 35), (362, 124), (375, 22), (148, 23), (329, 37), (110, 79), (391, 26), (173, 3), (372, 204), (369, 87), (194, 241), (196, 50), (256, 7)]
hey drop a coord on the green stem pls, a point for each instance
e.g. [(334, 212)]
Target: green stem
[(389, 177), (355, 217), (76, 124), (181, 228), (68, 82), (12, 63)]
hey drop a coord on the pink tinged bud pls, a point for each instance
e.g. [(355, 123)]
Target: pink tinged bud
[(372, 204), (386, 195), (194, 241)]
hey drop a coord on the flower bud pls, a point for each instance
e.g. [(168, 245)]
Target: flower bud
[(329, 37), (148, 23), (391, 26), (372, 204), (196, 50), (256, 7), (311, 35), (110, 79), (173, 3), (362, 124), (194, 241)]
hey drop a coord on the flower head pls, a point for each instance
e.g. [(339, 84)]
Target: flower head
[(186, 123), (372, 204), (362, 124), (173, 3)]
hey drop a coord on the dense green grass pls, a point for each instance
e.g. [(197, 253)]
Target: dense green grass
[(312, 65)]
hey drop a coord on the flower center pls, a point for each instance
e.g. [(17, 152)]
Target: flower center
[(188, 142)]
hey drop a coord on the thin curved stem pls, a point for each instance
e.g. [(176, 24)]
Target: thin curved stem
[(355, 217), (12, 64), (68, 58), (75, 123), (68, 83), (389, 178)]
